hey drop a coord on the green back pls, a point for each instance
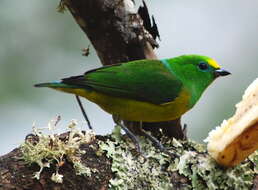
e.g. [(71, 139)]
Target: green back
[(142, 80)]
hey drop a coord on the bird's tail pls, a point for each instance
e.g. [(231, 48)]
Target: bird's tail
[(56, 84), (73, 85), (70, 82)]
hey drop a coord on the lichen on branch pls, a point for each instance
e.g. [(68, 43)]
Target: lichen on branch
[(111, 162), (192, 169), (50, 149)]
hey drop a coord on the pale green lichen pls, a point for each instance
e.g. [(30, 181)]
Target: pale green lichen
[(204, 173), (56, 177), (133, 172), (51, 149)]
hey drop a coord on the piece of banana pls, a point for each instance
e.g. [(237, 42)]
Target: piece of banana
[(237, 137)]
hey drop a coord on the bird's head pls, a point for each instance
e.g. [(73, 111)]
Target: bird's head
[(197, 72), (197, 68)]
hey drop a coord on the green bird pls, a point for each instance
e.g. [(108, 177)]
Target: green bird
[(145, 90)]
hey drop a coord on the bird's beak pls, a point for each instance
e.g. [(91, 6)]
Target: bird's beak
[(221, 72)]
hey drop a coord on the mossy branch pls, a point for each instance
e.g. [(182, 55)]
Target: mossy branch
[(79, 160)]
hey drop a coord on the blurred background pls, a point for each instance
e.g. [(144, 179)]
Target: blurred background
[(38, 44)]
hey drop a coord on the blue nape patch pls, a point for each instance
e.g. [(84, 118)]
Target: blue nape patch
[(57, 82), (166, 64)]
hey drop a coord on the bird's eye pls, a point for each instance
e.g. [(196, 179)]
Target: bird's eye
[(203, 66)]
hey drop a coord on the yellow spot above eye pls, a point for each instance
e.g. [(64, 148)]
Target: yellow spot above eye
[(213, 63)]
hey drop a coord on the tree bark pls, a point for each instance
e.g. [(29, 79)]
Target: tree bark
[(116, 165), (15, 173), (118, 35)]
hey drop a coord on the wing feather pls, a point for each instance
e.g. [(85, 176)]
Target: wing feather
[(142, 80)]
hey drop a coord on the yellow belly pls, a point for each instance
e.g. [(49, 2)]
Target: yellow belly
[(133, 110)]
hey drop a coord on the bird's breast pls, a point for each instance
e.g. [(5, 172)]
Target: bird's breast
[(133, 110)]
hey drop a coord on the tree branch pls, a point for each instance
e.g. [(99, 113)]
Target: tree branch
[(112, 163), (114, 28), (117, 33)]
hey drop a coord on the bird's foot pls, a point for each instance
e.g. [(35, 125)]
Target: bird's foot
[(130, 134), (135, 140), (132, 137), (158, 144)]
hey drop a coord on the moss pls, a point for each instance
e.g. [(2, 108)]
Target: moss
[(190, 168), (158, 170), (51, 150)]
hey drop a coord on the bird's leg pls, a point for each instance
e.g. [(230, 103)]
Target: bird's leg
[(184, 132), (83, 112), (129, 134), (156, 142)]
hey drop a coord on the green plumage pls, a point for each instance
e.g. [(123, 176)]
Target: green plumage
[(144, 80), (145, 90)]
